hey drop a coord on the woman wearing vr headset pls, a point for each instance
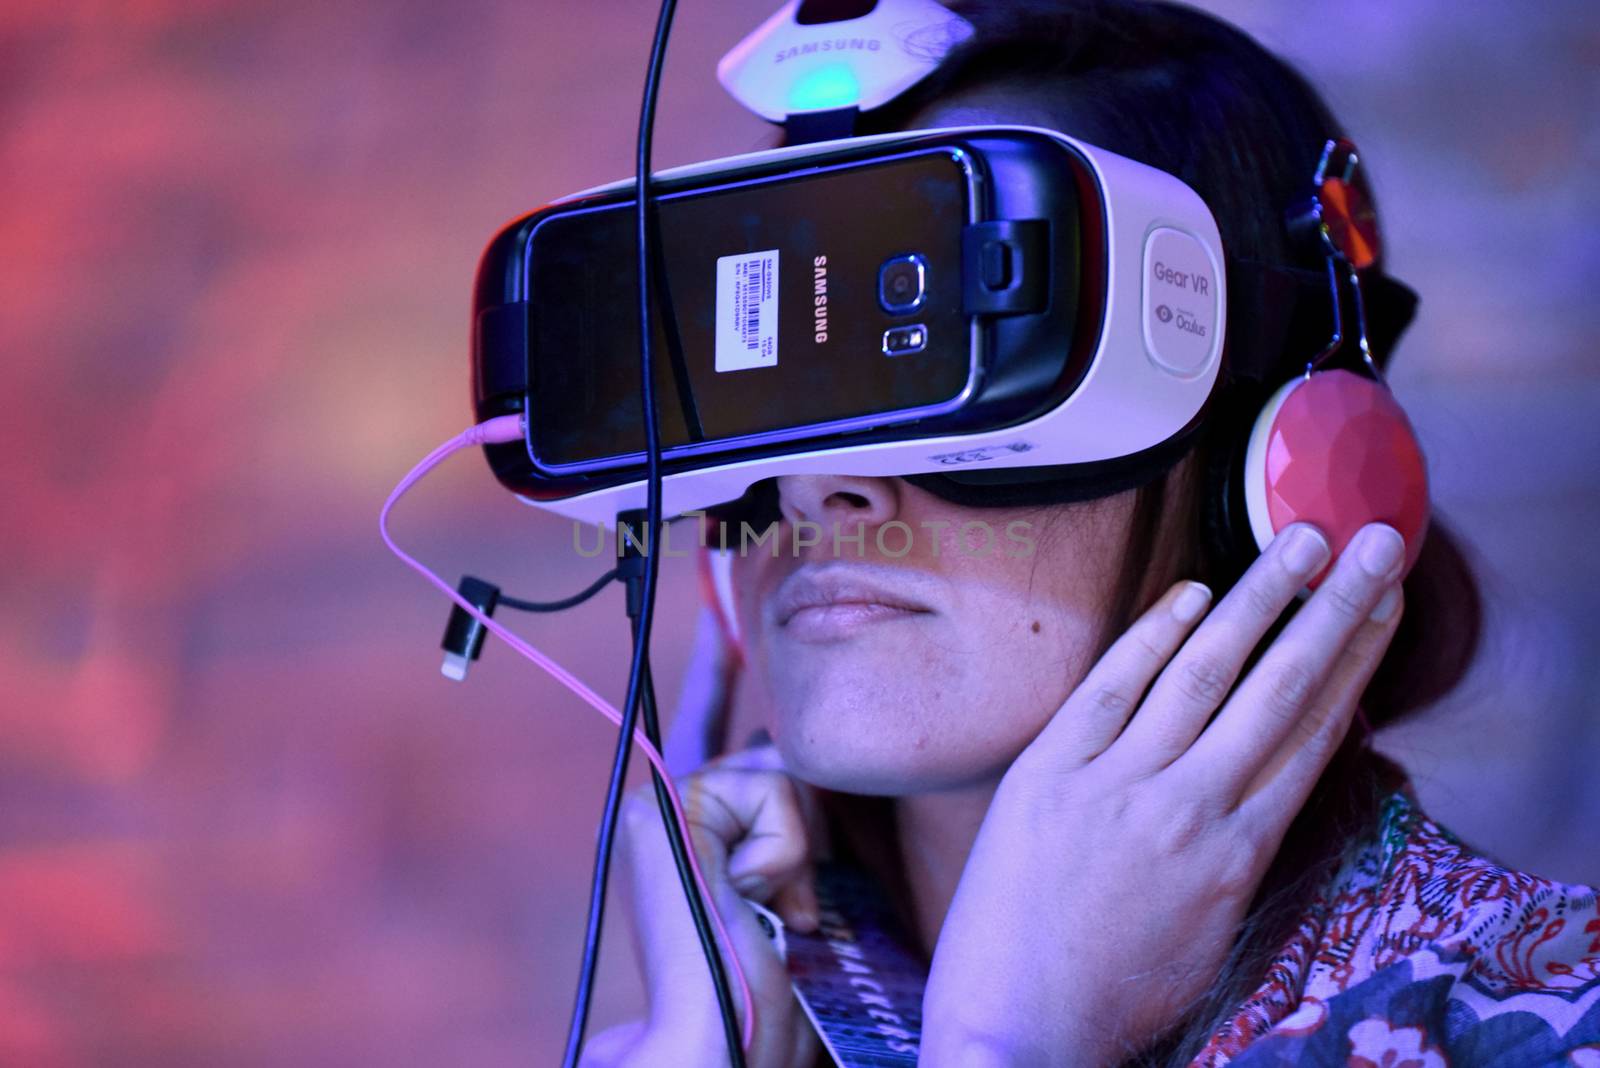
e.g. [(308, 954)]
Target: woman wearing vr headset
[(1127, 819)]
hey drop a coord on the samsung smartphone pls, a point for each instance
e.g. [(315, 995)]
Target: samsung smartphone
[(859, 291), (829, 297)]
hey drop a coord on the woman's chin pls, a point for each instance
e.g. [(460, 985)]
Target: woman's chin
[(876, 751)]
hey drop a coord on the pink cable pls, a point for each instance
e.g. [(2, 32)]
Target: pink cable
[(509, 428)]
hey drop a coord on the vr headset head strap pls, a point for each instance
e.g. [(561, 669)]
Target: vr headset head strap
[(1279, 314)]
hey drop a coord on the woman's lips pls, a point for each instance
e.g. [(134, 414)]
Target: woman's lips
[(832, 603)]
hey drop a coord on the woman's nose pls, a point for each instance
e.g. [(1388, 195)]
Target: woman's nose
[(838, 499)]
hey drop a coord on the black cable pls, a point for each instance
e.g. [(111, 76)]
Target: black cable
[(644, 583), (635, 572), (680, 858), (688, 407), (566, 602), (464, 634)]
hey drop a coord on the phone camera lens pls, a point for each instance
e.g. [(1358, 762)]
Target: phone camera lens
[(902, 284)]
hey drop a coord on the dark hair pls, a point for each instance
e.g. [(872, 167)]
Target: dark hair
[(1180, 90)]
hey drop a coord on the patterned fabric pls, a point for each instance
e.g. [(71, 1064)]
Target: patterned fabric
[(1424, 955)]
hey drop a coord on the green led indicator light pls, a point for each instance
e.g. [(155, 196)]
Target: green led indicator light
[(824, 89)]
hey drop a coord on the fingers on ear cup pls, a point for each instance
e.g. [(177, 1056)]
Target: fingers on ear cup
[(1336, 450)]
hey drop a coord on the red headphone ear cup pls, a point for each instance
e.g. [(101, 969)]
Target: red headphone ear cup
[(1336, 450)]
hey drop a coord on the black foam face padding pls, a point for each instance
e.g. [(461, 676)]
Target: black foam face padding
[(758, 507)]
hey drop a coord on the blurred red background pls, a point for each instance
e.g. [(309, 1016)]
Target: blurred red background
[(243, 819)]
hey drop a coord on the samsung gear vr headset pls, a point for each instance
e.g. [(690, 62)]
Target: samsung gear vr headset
[(999, 314)]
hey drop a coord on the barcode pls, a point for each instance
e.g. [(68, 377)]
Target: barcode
[(752, 310), (747, 310)]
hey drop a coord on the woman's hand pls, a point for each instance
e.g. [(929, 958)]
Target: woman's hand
[(1122, 848), (755, 835)]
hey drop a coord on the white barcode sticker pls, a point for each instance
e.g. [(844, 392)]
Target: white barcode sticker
[(747, 310)]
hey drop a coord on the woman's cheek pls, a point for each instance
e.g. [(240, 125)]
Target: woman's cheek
[(1032, 662)]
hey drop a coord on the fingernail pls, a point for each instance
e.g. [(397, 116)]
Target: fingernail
[(1387, 607), (1306, 551), (1191, 602), (751, 886), (1381, 550), (743, 865)]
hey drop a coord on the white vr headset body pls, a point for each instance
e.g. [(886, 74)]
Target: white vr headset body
[(1154, 363)]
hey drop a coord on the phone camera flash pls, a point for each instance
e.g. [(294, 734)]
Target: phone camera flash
[(899, 340)]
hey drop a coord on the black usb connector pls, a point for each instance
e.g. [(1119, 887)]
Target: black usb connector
[(464, 634)]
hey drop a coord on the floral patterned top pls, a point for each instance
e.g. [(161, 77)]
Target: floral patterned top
[(1424, 955)]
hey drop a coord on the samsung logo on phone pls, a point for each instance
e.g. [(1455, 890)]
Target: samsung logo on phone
[(819, 298), (832, 44)]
